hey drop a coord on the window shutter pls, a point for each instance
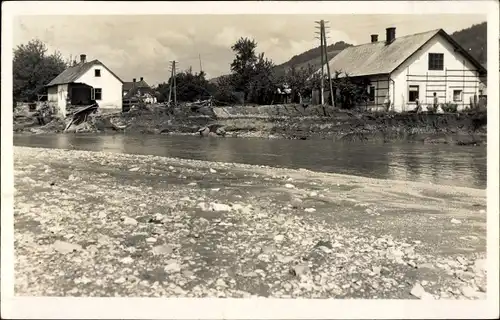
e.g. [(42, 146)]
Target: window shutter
[(92, 94)]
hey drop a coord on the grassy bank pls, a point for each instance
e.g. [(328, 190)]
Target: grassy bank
[(297, 122), (102, 224)]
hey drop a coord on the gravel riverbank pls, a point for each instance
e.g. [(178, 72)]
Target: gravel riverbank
[(104, 224)]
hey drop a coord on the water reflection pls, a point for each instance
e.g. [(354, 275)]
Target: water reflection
[(439, 164)]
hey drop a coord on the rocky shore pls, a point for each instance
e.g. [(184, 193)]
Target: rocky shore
[(103, 224), (289, 122)]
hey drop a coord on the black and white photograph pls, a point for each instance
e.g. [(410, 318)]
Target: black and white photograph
[(314, 155)]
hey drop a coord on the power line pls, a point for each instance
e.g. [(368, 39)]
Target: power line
[(324, 59), (173, 86)]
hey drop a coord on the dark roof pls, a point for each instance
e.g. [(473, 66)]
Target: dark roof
[(133, 87), (138, 84), (71, 74), (378, 58)]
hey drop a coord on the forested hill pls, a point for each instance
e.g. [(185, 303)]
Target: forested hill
[(473, 39), (313, 56)]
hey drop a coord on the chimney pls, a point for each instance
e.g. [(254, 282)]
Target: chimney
[(390, 35), (83, 58), (374, 38), (133, 80), (142, 78)]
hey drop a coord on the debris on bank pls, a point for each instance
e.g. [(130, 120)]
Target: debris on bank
[(281, 121)]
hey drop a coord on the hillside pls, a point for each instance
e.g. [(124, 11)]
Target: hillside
[(472, 39), (313, 56)]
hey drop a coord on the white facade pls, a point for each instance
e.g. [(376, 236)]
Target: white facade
[(56, 96), (457, 83), (111, 87), (106, 90)]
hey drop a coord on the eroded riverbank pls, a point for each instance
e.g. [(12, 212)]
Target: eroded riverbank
[(104, 224), (287, 122)]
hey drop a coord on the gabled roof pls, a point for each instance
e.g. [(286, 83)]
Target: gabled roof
[(71, 74), (378, 58), (133, 87), (138, 84)]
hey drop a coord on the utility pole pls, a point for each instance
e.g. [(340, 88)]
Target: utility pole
[(199, 57), (322, 85), (173, 86), (332, 96)]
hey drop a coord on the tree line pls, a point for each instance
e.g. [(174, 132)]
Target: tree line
[(254, 78)]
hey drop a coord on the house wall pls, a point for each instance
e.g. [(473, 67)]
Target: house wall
[(112, 87), (52, 94), (56, 97), (458, 74), (382, 92)]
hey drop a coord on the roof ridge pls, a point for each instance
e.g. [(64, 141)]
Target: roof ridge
[(405, 36)]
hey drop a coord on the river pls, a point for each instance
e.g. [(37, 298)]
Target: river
[(438, 164)]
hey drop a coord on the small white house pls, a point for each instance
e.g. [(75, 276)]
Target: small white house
[(84, 83), (426, 67)]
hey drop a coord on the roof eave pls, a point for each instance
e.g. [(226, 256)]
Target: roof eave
[(464, 52), (455, 44)]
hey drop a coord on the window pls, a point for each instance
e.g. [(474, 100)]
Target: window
[(96, 94), (371, 93), (413, 93), (436, 61), (97, 72), (457, 95)]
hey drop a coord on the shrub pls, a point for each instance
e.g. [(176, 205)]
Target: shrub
[(449, 107), (432, 108)]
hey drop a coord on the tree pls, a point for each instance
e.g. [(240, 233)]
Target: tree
[(263, 83), (252, 73), (301, 80), (243, 64), (350, 92), (225, 90), (33, 68), (189, 87), (162, 90)]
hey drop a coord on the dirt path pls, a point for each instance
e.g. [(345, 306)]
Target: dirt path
[(103, 224)]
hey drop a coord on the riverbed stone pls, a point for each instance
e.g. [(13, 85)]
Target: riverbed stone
[(228, 244), (66, 247), (129, 221)]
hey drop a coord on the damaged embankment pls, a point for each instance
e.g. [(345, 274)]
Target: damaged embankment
[(297, 122)]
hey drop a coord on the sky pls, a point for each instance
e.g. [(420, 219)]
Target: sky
[(142, 46)]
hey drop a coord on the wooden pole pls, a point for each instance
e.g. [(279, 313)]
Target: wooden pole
[(171, 85), (175, 84), (332, 96), (322, 85)]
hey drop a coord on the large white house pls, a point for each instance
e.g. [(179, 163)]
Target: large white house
[(427, 66), (83, 83)]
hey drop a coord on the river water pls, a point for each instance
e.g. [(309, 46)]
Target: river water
[(438, 164)]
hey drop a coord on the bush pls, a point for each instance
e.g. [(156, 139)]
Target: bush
[(449, 107), (432, 108)]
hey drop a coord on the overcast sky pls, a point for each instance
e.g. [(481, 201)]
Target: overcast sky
[(142, 46)]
